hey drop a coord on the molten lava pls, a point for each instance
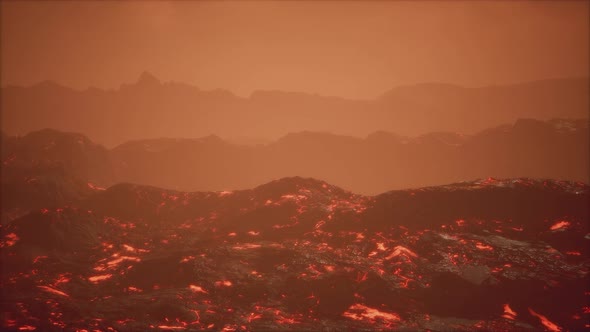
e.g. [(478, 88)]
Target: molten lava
[(99, 278), (508, 312), (546, 322), (560, 225), (53, 290), (362, 312)]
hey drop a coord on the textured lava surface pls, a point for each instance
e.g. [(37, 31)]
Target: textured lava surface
[(299, 254)]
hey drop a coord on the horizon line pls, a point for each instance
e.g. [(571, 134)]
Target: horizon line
[(151, 76)]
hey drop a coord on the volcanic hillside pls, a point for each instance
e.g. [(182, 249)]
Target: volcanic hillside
[(300, 254), (556, 149)]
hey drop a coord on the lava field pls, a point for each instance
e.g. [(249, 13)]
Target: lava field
[(300, 254)]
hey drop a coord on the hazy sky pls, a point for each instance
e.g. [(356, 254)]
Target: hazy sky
[(354, 49)]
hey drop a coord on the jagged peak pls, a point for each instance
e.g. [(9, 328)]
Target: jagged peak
[(48, 84), (147, 78), (50, 133)]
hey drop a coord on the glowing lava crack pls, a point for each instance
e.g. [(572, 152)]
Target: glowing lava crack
[(299, 254)]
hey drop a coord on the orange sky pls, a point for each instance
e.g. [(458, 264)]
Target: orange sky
[(352, 49)]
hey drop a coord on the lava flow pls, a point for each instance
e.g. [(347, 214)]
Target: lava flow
[(301, 255)]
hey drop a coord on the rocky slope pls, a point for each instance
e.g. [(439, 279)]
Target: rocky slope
[(300, 254), (556, 149)]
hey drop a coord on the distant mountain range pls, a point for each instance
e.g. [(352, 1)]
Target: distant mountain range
[(58, 164), (150, 108)]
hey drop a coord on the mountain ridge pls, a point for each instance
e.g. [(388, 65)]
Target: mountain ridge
[(150, 78), (171, 109), (381, 161)]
